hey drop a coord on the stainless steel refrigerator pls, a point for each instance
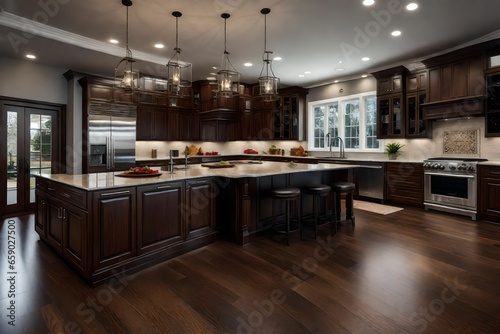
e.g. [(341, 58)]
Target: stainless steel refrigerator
[(111, 144)]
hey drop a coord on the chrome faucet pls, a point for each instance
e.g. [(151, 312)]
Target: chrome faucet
[(186, 159), (171, 162), (330, 141)]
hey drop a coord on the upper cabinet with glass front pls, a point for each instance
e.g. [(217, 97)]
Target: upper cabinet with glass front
[(416, 96), (390, 96), (492, 116)]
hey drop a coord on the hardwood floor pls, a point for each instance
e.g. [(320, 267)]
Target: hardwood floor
[(408, 272)]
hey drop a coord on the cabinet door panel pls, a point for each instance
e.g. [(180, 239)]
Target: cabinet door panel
[(55, 226), (75, 240), (459, 80), (434, 85), (200, 201), (145, 119), (114, 226), (160, 216)]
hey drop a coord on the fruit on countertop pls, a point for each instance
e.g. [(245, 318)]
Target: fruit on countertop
[(142, 170), (212, 153), (299, 152), (200, 151), (250, 151), (223, 163)]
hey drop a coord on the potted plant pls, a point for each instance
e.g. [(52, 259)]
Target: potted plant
[(393, 150)]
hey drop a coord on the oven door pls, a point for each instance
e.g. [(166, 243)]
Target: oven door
[(458, 190)]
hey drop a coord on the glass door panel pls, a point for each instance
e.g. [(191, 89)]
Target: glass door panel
[(12, 158), (29, 146)]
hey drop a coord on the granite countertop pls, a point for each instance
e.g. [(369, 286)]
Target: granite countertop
[(490, 163), (97, 181)]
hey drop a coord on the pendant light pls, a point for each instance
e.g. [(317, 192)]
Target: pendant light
[(126, 76), (179, 72), (227, 78), (268, 82)]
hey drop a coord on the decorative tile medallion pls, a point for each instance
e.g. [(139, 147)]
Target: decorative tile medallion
[(461, 142)]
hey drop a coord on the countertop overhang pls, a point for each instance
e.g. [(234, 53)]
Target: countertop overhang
[(99, 181)]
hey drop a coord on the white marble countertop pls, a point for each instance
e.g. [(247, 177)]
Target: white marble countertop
[(97, 181)]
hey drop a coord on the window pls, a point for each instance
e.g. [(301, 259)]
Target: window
[(352, 118)]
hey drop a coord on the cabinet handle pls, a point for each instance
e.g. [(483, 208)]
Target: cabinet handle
[(116, 193), (59, 213), (163, 187), (65, 195), (64, 213), (493, 172), (51, 189)]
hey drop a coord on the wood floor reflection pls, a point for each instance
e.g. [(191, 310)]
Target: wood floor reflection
[(408, 272)]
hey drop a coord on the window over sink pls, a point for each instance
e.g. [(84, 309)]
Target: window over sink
[(352, 118)]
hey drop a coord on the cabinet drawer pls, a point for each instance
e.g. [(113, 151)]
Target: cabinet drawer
[(73, 196), (490, 171)]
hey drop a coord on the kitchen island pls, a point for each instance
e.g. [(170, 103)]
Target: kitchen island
[(102, 223)]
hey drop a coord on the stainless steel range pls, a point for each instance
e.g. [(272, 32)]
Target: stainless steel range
[(450, 185)]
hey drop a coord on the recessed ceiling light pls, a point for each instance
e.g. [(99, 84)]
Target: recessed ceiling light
[(412, 6), (307, 72), (213, 73), (368, 2), (339, 69), (396, 33), (364, 75), (335, 81), (365, 58), (301, 75), (159, 46), (340, 61), (248, 64), (30, 56), (211, 78), (277, 58), (215, 67), (113, 41)]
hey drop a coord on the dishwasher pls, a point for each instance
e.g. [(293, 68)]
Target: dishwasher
[(369, 177)]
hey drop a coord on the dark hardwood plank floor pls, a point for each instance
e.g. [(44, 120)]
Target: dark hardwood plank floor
[(412, 271)]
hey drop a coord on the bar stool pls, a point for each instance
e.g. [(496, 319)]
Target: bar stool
[(288, 195), (338, 189), (317, 191)]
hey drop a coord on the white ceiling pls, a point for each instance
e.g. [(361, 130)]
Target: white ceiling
[(309, 35)]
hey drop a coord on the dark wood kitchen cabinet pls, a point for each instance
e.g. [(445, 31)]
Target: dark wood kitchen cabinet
[(391, 102), (62, 221), (160, 216), (289, 114), (489, 193), (456, 84), (416, 96), (182, 125), (114, 226), (219, 125), (405, 183), (390, 116), (200, 207), (151, 123), (492, 117)]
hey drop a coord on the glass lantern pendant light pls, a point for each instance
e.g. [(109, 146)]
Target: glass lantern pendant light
[(126, 76), (268, 82), (179, 72), (227, 78)]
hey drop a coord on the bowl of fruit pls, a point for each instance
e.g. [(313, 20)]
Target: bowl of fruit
[(250, 151), (140, 172)]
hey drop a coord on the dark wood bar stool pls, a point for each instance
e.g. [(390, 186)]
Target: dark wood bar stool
[(317, 191), (288, 195), (338, 189)]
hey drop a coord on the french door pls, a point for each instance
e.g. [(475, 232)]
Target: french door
[(30, 144)]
